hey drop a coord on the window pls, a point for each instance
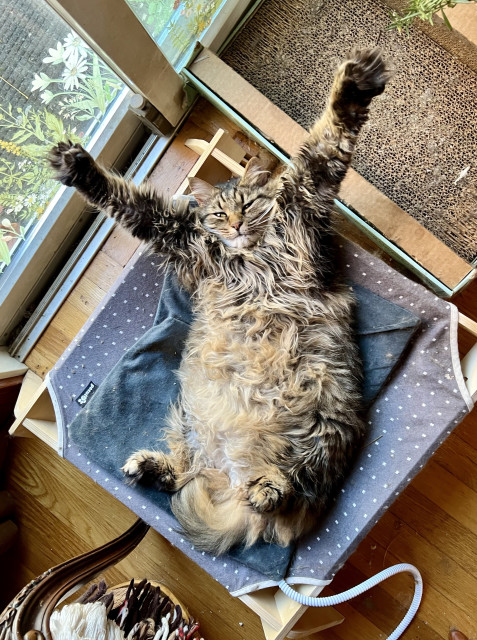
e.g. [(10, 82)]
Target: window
[(54, 87), (176, 25)]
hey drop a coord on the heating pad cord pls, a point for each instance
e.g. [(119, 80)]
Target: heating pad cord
[(338, 598)]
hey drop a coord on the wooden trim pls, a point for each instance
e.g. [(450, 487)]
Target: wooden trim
[(111, 28), (468, 324), (356, 192), (9, 367)]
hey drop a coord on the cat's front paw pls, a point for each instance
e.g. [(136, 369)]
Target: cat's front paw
[(151, 468), (364, 75), (70, 162)]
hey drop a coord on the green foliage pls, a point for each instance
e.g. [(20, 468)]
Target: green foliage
[(154, 14), (76, 93), (424, 10), (77, 96)]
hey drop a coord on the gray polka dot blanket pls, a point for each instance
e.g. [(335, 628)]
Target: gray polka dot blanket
[(115, 382)]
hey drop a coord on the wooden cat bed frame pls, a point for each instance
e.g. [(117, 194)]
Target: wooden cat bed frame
[(35, 414)]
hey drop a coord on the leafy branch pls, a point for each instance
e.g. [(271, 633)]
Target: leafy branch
[(424, 10)]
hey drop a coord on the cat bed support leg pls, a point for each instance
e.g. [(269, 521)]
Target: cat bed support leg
[(35, 413), (282, 617)]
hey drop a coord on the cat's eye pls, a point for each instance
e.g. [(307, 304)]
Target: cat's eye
[(219, 214), (247, 205)]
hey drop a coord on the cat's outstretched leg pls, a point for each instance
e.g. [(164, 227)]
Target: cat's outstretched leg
[(156, 468), (327, 153), (140, 209)]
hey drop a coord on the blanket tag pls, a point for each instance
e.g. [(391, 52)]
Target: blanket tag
[(87, 394)]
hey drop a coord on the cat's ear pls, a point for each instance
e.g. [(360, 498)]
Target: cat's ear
[(255, 175), (201, 190)]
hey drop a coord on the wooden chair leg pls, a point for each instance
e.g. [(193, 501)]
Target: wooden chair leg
[(28, 615)]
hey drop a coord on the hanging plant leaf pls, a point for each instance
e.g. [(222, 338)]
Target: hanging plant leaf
[(4, 252)]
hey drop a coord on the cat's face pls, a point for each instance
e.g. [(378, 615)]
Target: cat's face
[(239, 212)]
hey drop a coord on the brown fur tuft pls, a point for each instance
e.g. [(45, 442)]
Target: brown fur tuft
[(213, 516)]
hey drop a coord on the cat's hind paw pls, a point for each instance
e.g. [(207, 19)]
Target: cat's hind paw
[(150, 468), (266, 495), (364, 75), (69, 162)]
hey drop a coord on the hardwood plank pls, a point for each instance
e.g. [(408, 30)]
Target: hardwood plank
[(103, 271), (86, 296), (40, 360), (69, 320), (371, 557), (169, 174), (385, 611), (437, 527), (356, 626), (120, 246), (448, 578), (467, 431), (56, 338), (449, 493), (58, 486), (457, 457)]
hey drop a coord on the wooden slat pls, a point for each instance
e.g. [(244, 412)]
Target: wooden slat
[(450, 580), (459, 458), (393, 595), (103, 271)]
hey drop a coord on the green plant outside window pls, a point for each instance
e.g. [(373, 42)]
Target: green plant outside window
[(70, 91)]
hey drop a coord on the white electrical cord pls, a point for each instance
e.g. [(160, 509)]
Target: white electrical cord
[(338, 598)]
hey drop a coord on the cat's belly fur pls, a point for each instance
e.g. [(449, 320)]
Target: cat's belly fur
[(245, 390)]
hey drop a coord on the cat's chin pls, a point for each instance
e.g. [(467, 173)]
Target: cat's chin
[(240, 242)]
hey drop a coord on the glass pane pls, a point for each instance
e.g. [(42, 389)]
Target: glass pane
[(53, 87), (176, 25)]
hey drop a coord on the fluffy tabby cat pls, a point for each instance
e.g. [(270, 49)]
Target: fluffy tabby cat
[(268, 416)]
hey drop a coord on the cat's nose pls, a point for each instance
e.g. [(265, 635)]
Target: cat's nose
[(236, 225)]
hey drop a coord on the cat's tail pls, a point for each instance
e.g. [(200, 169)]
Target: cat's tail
[(213, 515)]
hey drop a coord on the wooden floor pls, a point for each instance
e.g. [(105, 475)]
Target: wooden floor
[(62, 513)]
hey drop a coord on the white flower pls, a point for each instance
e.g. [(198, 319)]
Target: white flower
[(40, 81), (75, 48), (74, 72), (56, 55), (29, 200), (47, 96)]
